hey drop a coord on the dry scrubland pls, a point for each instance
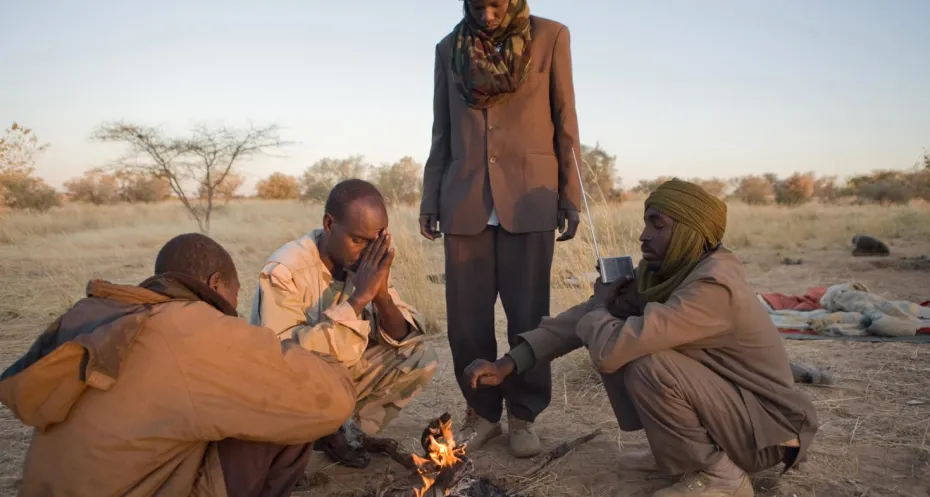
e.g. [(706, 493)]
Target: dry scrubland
[(873, 439)]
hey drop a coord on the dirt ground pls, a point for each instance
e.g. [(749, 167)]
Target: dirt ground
[(874, 420)]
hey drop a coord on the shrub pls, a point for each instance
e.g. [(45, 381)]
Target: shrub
[(28, 193), (278, 186)]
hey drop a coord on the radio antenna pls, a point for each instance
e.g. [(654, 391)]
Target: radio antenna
[(584, 196)]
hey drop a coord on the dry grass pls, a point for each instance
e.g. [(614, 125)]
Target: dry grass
[(871, 441)]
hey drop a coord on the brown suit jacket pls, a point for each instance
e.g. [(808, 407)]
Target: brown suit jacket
[(516, 155)]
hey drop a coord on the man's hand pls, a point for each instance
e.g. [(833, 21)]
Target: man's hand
[(488, 374), (372, 272), (606, 292), (428, 225), (568, 224), (390, 319), (627, 302)]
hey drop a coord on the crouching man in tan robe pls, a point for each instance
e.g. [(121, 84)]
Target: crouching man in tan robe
[(330, 292), (161, 390), (687, 354)]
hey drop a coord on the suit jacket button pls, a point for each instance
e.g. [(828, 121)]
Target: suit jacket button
[(491, 127), (493, 159)]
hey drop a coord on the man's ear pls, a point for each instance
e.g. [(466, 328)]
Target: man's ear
[(328, 222), (214, 280)]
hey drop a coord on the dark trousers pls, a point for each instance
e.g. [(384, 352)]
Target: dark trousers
[(260, 469), (478, 268), (688, 412)]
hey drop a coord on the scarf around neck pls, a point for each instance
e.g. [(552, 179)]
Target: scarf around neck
[(491, 66)]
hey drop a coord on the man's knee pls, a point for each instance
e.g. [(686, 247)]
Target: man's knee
[(421, 363), (649, 373), (425, 354)]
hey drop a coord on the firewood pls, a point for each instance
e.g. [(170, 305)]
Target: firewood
[(561, 451), (453, 480), (434, 429), (389, 447)]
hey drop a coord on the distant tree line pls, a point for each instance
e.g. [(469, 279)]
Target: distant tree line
[(202, 169)]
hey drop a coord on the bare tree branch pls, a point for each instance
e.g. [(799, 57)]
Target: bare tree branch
[(194, 166)]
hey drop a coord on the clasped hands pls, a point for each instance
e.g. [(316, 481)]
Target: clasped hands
[(619, 297)]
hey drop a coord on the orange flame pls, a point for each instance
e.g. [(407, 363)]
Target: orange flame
[(442, 454)]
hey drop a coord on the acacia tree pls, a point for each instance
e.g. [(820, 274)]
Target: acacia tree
[(226, 189), (195, 166)]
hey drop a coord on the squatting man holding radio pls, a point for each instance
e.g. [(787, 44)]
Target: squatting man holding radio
[(686, 352)]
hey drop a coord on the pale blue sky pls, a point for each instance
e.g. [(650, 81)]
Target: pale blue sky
[(674, 87)]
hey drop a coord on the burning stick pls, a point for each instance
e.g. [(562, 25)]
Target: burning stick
[(391, 448), (445, 471)]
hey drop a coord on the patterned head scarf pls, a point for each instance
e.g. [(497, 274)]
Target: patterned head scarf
[(489, 66), (700, 223)]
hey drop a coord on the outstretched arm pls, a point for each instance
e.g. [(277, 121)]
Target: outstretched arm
[(696, 315), (553, 338)]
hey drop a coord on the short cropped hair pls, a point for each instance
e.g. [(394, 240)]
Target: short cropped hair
[(196, 255), (345, 192)]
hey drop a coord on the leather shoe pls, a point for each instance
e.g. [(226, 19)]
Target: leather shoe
[(338, 449)]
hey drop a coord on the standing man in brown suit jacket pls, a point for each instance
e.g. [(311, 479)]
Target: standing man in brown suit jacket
[(499, 181)]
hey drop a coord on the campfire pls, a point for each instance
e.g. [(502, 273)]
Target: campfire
[(444, 469), (444, 455)]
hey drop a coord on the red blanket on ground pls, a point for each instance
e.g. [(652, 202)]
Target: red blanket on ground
[(809, 301)]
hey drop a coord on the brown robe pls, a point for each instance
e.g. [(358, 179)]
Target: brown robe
[(130, 390), (713, 318)]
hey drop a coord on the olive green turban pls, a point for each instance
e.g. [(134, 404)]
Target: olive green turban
[(700, 222)]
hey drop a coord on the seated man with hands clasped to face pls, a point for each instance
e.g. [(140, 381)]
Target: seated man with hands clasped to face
[(687, 353), (330, 292)]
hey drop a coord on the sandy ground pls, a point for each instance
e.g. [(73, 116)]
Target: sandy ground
[(874, 421)]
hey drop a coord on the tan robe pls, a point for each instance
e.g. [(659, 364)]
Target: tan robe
[(298, 298), (128, 389), (714, 320)]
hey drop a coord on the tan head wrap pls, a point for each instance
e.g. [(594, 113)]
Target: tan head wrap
[(700, 222)]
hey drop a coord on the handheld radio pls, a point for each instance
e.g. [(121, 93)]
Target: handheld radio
[(611, 268)]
